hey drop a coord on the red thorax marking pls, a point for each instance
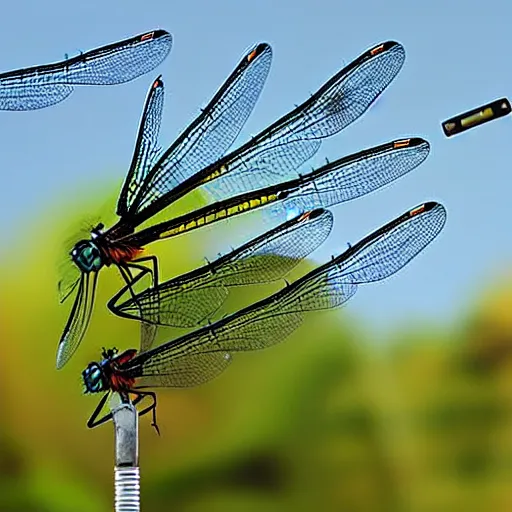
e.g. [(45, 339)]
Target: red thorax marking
[(118, 382), (122, 253)]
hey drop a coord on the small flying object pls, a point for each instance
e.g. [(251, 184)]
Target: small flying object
[(476, 117)]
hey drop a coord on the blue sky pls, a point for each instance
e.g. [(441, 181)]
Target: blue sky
[(457, 59)]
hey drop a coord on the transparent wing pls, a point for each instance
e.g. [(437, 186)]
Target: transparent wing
[(41, 86), (146, 148), (269, 321), (189, 371), (334, 183), (276, 153), (264, 166), (114, 64), (189, 300), (33, 96), (354, 176), (78, 320), (148, 332), (274, 254), (69, 280), (213, 131), (377, 257), (182, 305)]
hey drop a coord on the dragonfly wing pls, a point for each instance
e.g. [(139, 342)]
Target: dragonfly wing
[(146, 147), (192, 307), (148, 334), (66, 286), (392, 247), (355, 176), (332, 184), (42, 86), (69, 278), (175, 303), (377, 257), (78, 320), (276, 153), (119, 62), (32, 97), (190, 299), (253, 329), (269, 321), (266, 165), (188, 371), (211, 134), (274, 254)]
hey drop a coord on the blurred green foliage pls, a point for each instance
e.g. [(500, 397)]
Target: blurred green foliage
[(326, 421)]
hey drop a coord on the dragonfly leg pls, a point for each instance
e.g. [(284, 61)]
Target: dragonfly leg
[(154, 274), (143, 270), (143, 315), (113, 303), (154, 263), (149, 408), (130, 281), (93, 422)]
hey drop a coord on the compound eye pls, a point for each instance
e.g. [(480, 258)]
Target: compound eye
[(96, 386), (93, 378), (95, 373), (92, 257), (92, 253), (89, 253)]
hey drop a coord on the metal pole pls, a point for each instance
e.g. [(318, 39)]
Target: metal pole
[(126, 471)]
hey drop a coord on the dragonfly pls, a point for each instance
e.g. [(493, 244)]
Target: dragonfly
[(195, 159), (42, 86), (334, 183), (190, 299), (202, 355)]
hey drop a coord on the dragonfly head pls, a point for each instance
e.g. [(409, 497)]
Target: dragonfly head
[(94, 378), (87, 256)]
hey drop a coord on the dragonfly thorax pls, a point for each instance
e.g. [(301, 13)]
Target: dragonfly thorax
[(94, 378), (87, 256)]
